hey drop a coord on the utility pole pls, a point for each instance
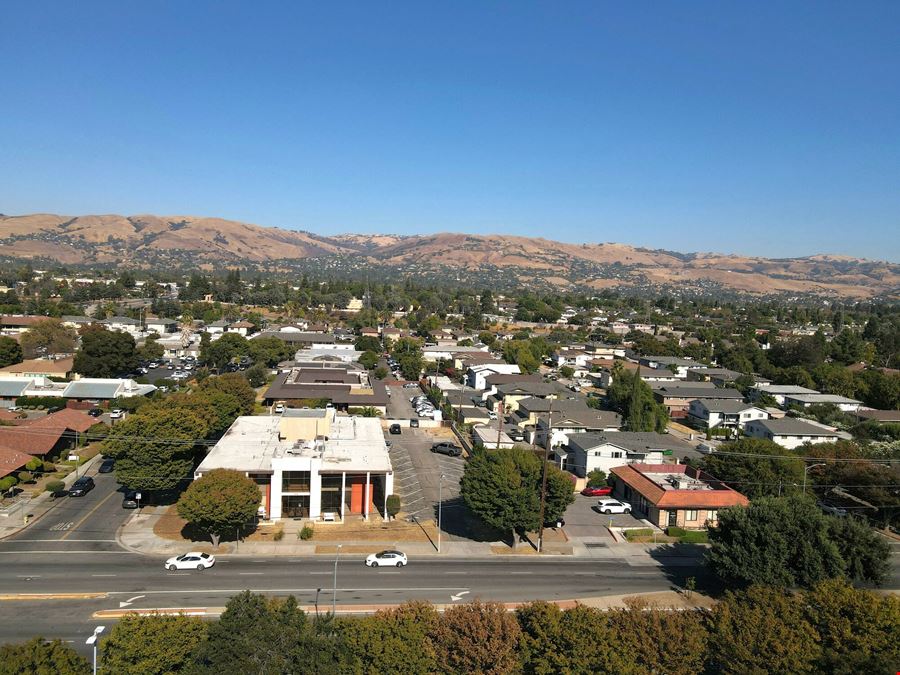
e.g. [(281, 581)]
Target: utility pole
[(544, 477), (499, 422), (337, 557)]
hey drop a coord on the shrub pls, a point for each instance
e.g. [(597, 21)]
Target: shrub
[(306, 533), (675, 531), (54, 485), (6, 483), (279, 535), (26, 477), (393, 505)]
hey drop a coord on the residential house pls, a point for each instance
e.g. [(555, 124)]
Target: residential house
[(673, 366), (343, 387), (721, 377), (491, 438), (724, 413), (32, 368), (509, 395), (778, 391), (312, 464), (217, 327), (477, 375), (123, 324), (586, 452), (161, 326), (574, 420), (805, 400), (674, 495), (677, 400), (241, 327), (880, 416), (790, 432), (12, 461)]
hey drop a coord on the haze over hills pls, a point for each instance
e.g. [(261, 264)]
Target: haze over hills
[(187, 242)]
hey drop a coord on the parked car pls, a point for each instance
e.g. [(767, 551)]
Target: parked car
[(414, 423), (14, 408), (597, 491), (395, 429), (386, 559), (613, 506), (116, 414), (833, 510), (130, 500), (446, 448), (191, 561), (516, 435), (153, 365), (81, 486), (279, 408), (492, 415), (59, 494), (107, 466), (54, 409), (411, 385), (95, 412)]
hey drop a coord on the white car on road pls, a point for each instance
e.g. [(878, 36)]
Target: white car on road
[(191, 561), (117, 414), (613, 506), (386, 559)]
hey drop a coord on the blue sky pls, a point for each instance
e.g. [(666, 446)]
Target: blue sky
[(766, 128)]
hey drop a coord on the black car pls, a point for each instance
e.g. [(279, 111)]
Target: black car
[(395, 429), (446, 448), (54, 409), (59, 494), (107, 466), (130, 501), (81, 486), (95, 412), (414, 423)]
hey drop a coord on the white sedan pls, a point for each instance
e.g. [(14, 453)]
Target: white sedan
[(116, 414), (613, 506), (191, 561), (386, 559)]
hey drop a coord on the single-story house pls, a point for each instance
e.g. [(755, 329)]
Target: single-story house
[(805, 400), (31, 368), (674, 495), (778, 391), (790, 432)]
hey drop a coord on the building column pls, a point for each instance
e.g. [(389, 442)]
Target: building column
[(367, 497), (343, 492)]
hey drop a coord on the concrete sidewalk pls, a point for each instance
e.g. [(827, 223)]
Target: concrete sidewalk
[(137, 535), (36, 507)]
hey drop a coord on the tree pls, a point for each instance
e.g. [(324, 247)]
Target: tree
[(105, 353), (755, 467), (785, 542), (258, 636), (220, 502), (477, 638), (596, 478), (219, 353), (257, 375), (236, 385), (154, 449), (578, 640), (393, 505), (10, 351), (762, 630), (47, 336), (392, 641), (567, 371), (269, 351), (866, 554), (151, 350), (367, 343), (503, 487), (380, 373), (153, 644), (39, 657), (368, 360), (857, 629)]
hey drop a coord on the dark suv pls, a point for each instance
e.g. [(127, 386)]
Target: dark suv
[(446, 448), (81, 486)]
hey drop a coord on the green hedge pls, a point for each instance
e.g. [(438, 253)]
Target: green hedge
[(45, 401)]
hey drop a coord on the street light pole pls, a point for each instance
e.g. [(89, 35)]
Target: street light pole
[(92, 641), (806, 471), (440, 507), (334, 587)]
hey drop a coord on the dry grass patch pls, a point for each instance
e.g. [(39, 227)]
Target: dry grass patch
[(395, 531)]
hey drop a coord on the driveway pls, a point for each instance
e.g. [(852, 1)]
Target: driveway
[(399, 407), (418, 471)]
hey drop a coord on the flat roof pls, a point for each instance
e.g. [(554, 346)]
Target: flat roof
[(252, 443)]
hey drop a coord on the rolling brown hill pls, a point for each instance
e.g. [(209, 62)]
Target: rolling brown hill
[(187, 242)]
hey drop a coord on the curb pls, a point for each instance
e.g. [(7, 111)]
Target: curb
[(25, 597)]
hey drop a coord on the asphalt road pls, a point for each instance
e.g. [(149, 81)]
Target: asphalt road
[(143, 582)]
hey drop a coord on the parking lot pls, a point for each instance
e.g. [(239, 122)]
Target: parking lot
[(584, 521)]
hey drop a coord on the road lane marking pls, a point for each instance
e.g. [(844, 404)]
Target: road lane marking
[(249, 574), (89, 514), (319, 573), (29, 576), (103, 575), (44, 541), (233, 591), (59, 527)]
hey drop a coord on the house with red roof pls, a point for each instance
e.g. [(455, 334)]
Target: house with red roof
[(674, 495)]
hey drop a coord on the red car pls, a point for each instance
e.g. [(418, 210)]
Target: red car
[(596, 491)]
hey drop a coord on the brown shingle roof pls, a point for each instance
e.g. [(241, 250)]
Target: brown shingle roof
[(719, 497), (65, 419), (12, 460), (28, 439)]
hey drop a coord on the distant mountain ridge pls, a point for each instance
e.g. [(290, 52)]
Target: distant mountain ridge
[(186, 242)]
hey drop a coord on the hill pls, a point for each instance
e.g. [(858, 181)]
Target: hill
[(187, 242)]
